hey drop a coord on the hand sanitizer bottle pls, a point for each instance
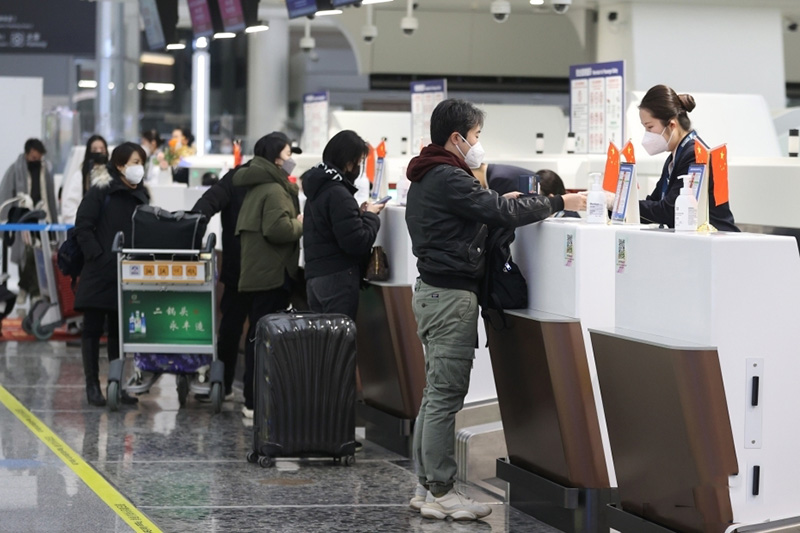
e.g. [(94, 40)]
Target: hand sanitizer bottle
[(596, 202), (144, 324), (686, 209), (137, 323)]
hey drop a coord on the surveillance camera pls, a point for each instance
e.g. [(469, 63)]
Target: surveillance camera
[(409, 25), (369, 32), (501, 9), (561, 6), (613, 16), (307, 44), (792, 26)]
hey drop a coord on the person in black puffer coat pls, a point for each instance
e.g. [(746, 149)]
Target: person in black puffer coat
[(337, 233), (105, 210)]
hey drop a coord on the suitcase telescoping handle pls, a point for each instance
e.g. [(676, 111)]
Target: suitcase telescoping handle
[(211, 242), (119, 242)]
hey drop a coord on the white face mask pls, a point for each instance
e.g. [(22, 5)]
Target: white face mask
[(654, 143), (289, 165), (475, 154), (134, 174)]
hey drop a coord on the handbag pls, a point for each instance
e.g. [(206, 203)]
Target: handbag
[(157, 228), (378, 266)]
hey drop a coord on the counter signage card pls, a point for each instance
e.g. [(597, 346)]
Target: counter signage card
[(622, 255), (626, 201), (699, 184), (315, 118), (232, 16), (597, 106), (569, 249), (425, 96), (201, 18)]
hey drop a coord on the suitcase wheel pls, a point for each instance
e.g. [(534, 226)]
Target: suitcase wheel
[(350, 460), (252, 457), (265, 461)]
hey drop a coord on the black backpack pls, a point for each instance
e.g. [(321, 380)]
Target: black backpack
[(70, 256), (503, 285)]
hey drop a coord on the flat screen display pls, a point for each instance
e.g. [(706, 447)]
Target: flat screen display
[(339, 3), (301, 8)]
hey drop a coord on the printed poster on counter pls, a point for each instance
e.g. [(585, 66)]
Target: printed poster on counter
[(425, 96), (597, 106), (315, 121)]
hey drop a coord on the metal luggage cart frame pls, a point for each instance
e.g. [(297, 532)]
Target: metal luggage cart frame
[(47, 312), (146, 278)]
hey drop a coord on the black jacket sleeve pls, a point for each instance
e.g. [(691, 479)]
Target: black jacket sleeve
[(463, 196), (656, 210), (216, 198), (355, 231), (86, 220)]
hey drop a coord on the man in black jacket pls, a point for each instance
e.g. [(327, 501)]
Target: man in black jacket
[(226, 199), (447, 215)]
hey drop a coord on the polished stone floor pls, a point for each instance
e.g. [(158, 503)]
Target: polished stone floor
[(185, 468)]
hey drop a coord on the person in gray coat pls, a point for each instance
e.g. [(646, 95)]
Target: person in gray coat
[(30, 175)]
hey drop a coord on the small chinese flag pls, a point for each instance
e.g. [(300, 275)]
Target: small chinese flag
[(612, 169), (700, 153), (719, 165), (371, 164), (627, 151)]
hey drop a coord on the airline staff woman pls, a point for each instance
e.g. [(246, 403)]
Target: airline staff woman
[(664, 115)]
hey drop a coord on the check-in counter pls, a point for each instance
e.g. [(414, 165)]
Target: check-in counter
[(390, 355), (564, 475), (699, 382)]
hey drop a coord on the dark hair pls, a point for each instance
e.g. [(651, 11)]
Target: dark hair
[(88, 163), (550, 183), (34, 144), (665, 104), (122, 154), (453, 115), (153, 136), (343, 148), (186, 132), (270, 146)]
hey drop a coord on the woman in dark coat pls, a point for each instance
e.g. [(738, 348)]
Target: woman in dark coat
[(105, 210)]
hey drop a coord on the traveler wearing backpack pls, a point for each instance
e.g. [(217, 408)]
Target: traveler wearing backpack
[(447, 214), (105, 210)]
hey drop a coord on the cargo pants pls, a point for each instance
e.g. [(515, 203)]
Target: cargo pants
[(447, 325)]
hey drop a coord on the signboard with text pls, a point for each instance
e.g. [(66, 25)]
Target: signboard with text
[(39, 27), (301, 8), (232, 16), (425, 96), (167, 317), (315, 119), (201, 18), (597, 106)]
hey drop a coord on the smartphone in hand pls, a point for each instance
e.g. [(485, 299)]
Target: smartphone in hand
[(384, 200)]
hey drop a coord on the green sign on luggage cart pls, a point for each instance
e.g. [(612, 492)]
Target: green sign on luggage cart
[(156, 317)]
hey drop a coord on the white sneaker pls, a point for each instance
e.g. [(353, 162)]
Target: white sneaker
[(421, 495), (228, 397), (456, 505), (248, 413)]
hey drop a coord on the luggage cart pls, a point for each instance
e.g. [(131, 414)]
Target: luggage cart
[(167, 318), (55, 305)]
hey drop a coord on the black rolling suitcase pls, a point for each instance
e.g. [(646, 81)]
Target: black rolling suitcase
[(305, 390)]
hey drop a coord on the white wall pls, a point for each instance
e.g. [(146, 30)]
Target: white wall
[(21, 112), (714, 49)]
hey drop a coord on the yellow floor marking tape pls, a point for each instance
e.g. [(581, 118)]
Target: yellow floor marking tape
[(116, 501)]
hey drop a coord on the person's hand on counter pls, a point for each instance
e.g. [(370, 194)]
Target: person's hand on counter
[(574, 202), (610, 197)]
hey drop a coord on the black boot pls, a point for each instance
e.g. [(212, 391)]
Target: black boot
[(90, 351), (128, 400)]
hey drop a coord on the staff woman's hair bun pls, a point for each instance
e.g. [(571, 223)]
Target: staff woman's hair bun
[(687, 102)]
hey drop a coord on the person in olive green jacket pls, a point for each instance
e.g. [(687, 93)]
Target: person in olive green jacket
[(269, 228)]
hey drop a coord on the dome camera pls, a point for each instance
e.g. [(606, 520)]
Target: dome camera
[(369, 32), (561, 6), (409, 25), (501, 9), (307, 44)]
